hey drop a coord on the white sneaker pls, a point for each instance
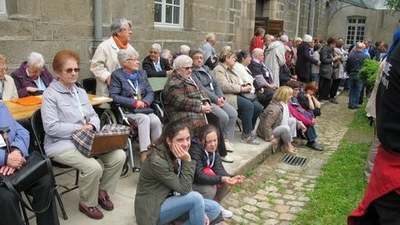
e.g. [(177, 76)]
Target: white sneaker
[(228, 146), (226, 159), (225, 213)]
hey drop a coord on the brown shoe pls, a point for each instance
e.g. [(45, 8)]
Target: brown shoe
[(92, 212), (104, 201)]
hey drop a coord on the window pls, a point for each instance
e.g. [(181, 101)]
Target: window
[(168, 13), (355, 29), (3, 11)]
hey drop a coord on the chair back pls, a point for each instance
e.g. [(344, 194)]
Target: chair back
[(38, 130)]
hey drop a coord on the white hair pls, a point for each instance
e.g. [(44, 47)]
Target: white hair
[(256, 52), (156, 47), (185, 49), (181, 61), (307, 38), (125, 54), (35, 60)]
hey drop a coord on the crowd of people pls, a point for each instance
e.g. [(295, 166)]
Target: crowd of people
[(279, 82)]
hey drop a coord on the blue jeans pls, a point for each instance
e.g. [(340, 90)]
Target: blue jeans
[(311, 134), (192, 203), (248, 113), (315, 77), (355, 87)]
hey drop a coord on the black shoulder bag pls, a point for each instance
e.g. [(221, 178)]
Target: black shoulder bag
[(35, 167)]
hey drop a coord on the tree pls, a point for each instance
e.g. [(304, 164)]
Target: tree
[(394, 4)]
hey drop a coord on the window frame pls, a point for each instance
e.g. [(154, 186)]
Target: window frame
[(164, 24), (357, 25), (3, 9)]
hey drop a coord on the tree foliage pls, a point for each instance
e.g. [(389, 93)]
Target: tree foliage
[(394, 4)]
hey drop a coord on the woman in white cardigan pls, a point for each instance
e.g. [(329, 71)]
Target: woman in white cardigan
[(8, 91)]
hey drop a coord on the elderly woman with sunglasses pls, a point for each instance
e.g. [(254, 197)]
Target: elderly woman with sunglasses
[(104, 60), (183, 99), (65, 109), (155, 65), (130, 88)]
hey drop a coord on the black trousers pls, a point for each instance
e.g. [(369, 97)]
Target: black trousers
[(10, 211), (383, 211)]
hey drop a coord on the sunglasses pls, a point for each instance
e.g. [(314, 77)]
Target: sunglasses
[(187, 68), (70, 70)]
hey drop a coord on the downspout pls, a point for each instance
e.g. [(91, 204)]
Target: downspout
[(97, 23), (298, 18)]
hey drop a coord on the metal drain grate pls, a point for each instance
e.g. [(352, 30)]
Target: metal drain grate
[(294, 160)]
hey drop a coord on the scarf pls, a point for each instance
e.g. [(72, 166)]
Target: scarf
[(119, 43)]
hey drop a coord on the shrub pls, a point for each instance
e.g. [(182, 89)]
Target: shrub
[(368, 73)]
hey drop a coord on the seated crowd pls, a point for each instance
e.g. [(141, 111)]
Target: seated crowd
[(182, 177)]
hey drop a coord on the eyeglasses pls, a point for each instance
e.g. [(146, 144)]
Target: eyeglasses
[(4, 68), (70, 70), (153, 52), (187, 68)]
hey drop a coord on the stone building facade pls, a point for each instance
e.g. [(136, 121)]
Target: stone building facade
[(47, 26)]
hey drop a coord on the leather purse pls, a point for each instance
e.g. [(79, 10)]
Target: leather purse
[(35, 167), (110, 137)]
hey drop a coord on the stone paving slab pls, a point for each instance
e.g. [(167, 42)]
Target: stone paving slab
[(277, 192)]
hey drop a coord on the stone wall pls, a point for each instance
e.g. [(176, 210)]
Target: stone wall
[(47, 26)]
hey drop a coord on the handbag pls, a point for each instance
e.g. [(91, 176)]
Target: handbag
[(35, 167), (110, 137), (146, 111), (208, 171)]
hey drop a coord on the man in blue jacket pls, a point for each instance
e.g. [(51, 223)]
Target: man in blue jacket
[(11, 162)]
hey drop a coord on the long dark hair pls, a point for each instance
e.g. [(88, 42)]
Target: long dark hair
[(170, 130)]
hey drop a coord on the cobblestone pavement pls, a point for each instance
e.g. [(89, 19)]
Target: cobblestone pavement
[(275, 192)]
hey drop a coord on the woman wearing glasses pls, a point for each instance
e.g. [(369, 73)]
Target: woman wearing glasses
[(104, 60), (32, 77), (65, 109), (130, 88), (8, 90), (155, 65)]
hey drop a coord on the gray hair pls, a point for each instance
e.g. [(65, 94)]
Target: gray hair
[(181, 61), (166, 54), (185, 49), (118, 25), (156, 47), (125, 54), (256, 52), (35, 59)]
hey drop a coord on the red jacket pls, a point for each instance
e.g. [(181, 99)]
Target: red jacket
[(385, 178), (256, 42)]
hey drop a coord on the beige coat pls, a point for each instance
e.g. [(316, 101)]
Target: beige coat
[(104, 62), (9, 89), (229, 82), (269, 120)]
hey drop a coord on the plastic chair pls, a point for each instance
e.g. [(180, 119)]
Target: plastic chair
[(38, 131)]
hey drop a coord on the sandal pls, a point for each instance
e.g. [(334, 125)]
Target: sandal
[(249, 140)]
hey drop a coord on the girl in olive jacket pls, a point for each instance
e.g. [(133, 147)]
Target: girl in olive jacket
[(164, 191)]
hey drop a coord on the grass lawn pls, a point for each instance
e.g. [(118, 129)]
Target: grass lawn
[(342, 184)]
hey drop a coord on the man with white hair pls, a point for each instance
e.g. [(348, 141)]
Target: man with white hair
[(304, 59), (155, 65), (275, 57), (32, 77)]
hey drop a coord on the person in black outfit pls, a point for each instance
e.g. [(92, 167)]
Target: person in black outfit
[(211, 179), (10, 162), (155, 65)]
